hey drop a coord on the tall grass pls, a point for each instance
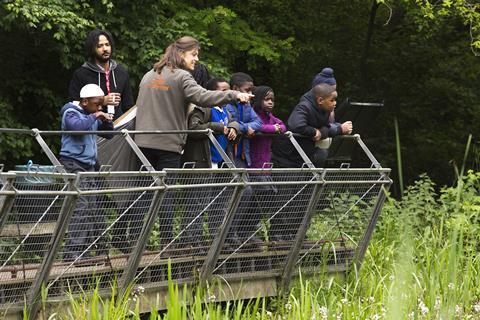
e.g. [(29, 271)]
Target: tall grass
[(422, 263)]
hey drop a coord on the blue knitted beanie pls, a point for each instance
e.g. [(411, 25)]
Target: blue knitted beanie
[(325, 76)]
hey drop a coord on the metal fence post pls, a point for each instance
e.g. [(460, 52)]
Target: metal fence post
[(66, 212), (299, 149), (367, 151), (134, 259), (360, 254), (7, 203), (214, 251), (137, 150), (220, 150), (301, 232), (46, 149)]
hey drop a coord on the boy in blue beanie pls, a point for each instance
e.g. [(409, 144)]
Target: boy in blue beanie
[(325, 76)]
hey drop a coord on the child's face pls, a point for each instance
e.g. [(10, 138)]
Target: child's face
[(191, 58), (268, 102), (92, 105), (246, 87), (328, 104), (223, 86)]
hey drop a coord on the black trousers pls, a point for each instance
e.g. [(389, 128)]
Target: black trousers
[(87, 222), (160, 160)]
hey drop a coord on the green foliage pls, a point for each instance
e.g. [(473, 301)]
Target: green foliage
[(440, 11), (11, 147), (42, 43), (417, 60)]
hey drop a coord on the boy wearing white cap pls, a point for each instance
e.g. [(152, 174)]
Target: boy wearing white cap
[(84, 115), (79, 154)]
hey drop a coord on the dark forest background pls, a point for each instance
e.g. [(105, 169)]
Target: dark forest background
[(420, 58)]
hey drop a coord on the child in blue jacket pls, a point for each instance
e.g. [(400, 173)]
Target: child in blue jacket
[(244, 114), (79, 154)]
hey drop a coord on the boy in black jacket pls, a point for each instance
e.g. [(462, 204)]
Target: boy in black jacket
[(311, 118)]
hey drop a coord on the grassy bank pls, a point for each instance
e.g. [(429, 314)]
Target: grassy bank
[(422, 263)]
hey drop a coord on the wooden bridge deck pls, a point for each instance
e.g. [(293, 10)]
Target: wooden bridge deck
[(250, 280)]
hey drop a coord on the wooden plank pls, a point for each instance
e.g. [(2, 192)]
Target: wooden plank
[(19, 274), (22, 229)]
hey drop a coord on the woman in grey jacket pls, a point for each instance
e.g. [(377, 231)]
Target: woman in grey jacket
[(165, 93), (162, 104)]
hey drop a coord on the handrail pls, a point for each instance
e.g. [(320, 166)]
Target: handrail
[(207, 132)]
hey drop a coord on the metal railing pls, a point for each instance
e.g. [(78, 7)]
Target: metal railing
[(70, 232)]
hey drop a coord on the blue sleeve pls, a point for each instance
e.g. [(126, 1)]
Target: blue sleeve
[(243, 127), (335, 129), (233, 114), (79, 122)]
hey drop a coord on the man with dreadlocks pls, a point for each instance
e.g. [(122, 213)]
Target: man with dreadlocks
[(102, 70)]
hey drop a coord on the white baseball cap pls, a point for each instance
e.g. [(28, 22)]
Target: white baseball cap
[(91, 90)]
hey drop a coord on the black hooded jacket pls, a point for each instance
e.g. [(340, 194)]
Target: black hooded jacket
[(119, 82), (305, 118)]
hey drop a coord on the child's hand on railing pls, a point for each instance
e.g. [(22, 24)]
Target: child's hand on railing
[(347, 127), (250, 132)]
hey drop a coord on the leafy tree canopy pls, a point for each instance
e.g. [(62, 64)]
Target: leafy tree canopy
[(418, 56)]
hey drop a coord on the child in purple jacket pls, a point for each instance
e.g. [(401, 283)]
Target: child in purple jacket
[(263, 103)]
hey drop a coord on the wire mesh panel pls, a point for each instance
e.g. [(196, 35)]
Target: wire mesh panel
[(103, 230), (228, 222), (341, 217), (193, 208), (266, 221), (28, 230)]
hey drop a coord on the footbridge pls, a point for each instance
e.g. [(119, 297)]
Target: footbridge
[(246, 232)]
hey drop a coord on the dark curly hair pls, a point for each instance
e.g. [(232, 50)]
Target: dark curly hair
[(92, 40)]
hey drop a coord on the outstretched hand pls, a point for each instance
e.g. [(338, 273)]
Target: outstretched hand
[(244, 97)]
